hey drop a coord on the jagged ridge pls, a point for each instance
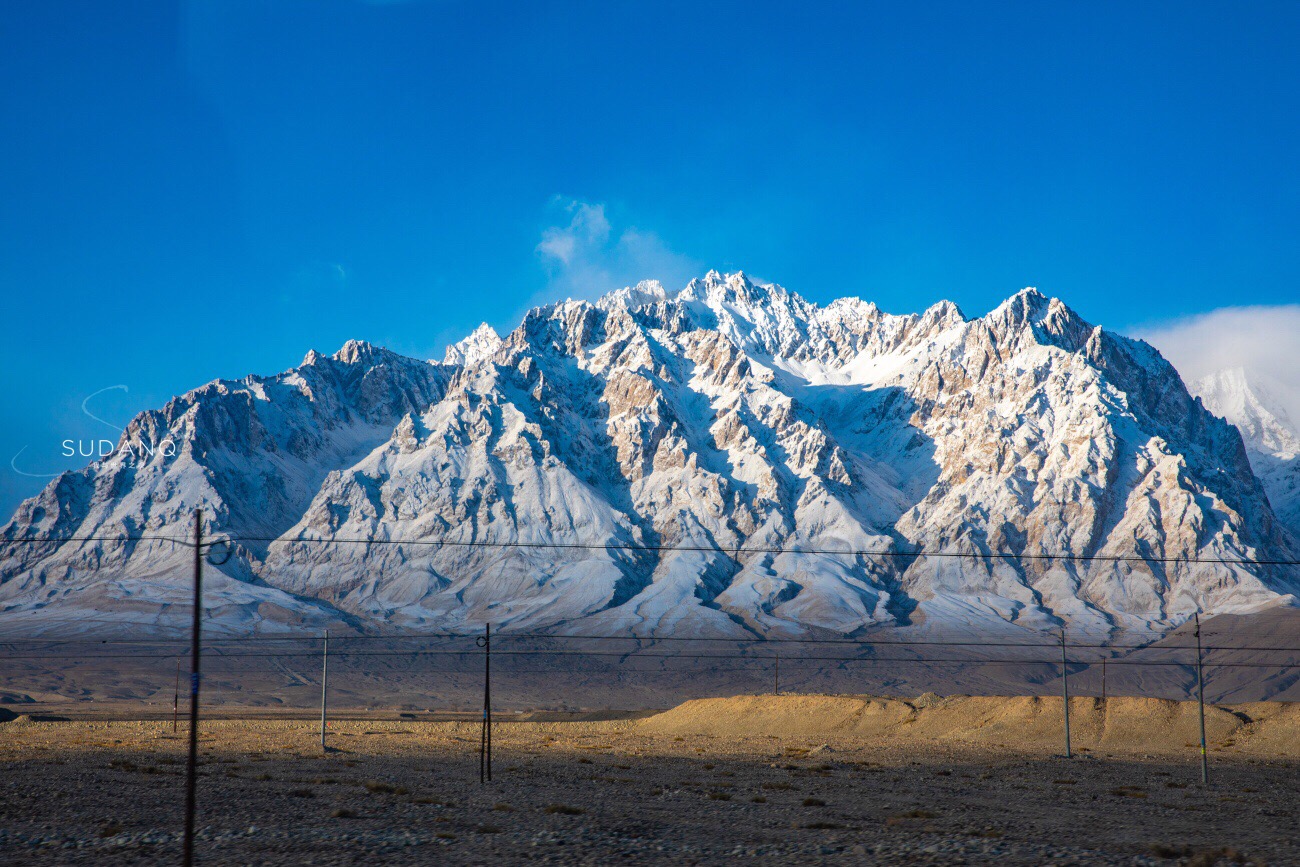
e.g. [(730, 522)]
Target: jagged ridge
[(673, 431)]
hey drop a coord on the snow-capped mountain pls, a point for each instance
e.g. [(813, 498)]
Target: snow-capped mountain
[(1272, 438), (728, 459)]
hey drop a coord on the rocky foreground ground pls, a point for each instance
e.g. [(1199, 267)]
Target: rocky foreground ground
[(650, 791)]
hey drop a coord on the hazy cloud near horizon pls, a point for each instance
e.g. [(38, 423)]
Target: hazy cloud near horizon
[(1264, 340), (585, 255)]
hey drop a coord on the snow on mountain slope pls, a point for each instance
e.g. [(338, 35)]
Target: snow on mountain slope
[(480, 344), (252, 452), (730, 459), (1272, 438)]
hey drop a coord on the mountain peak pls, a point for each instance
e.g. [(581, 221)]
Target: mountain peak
[(1235, 395), (351, 352), (1243, 399), (737, 288), (355, 351), (645, 292), (1028, 303), (943, 311), (1048, 316), (483, 342), (1228, 378)]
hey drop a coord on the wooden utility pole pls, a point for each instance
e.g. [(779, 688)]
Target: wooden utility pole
[(191, 769), (1200, 697), (1065, 693), (485, 735), (324, 685), (176, 697)]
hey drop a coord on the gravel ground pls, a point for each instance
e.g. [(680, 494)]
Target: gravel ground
[(604, 792)]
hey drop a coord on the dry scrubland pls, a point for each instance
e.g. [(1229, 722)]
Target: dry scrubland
[(775, 779)]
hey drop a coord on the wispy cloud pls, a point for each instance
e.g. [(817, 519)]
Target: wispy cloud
[(585, 255), (1263, 340)]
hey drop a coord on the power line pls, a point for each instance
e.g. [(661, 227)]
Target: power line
[(98, 637), (541, 637), (709, 549), (637, 657), (40, 621), (651, 639)]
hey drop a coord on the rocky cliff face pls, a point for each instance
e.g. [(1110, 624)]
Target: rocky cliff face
[(728, 459)]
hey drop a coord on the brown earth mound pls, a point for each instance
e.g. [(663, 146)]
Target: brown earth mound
[(1143, 725)]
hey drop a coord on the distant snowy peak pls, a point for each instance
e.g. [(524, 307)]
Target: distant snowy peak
[(1242, 398), (1239, 398), (481, 344)]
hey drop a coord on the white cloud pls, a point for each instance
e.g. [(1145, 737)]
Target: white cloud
[(588, 229), (585, 256), (1265, 341)]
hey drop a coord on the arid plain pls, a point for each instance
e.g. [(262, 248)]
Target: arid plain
[(754, 779)]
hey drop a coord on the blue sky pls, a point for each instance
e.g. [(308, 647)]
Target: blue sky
[(211, 189)]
